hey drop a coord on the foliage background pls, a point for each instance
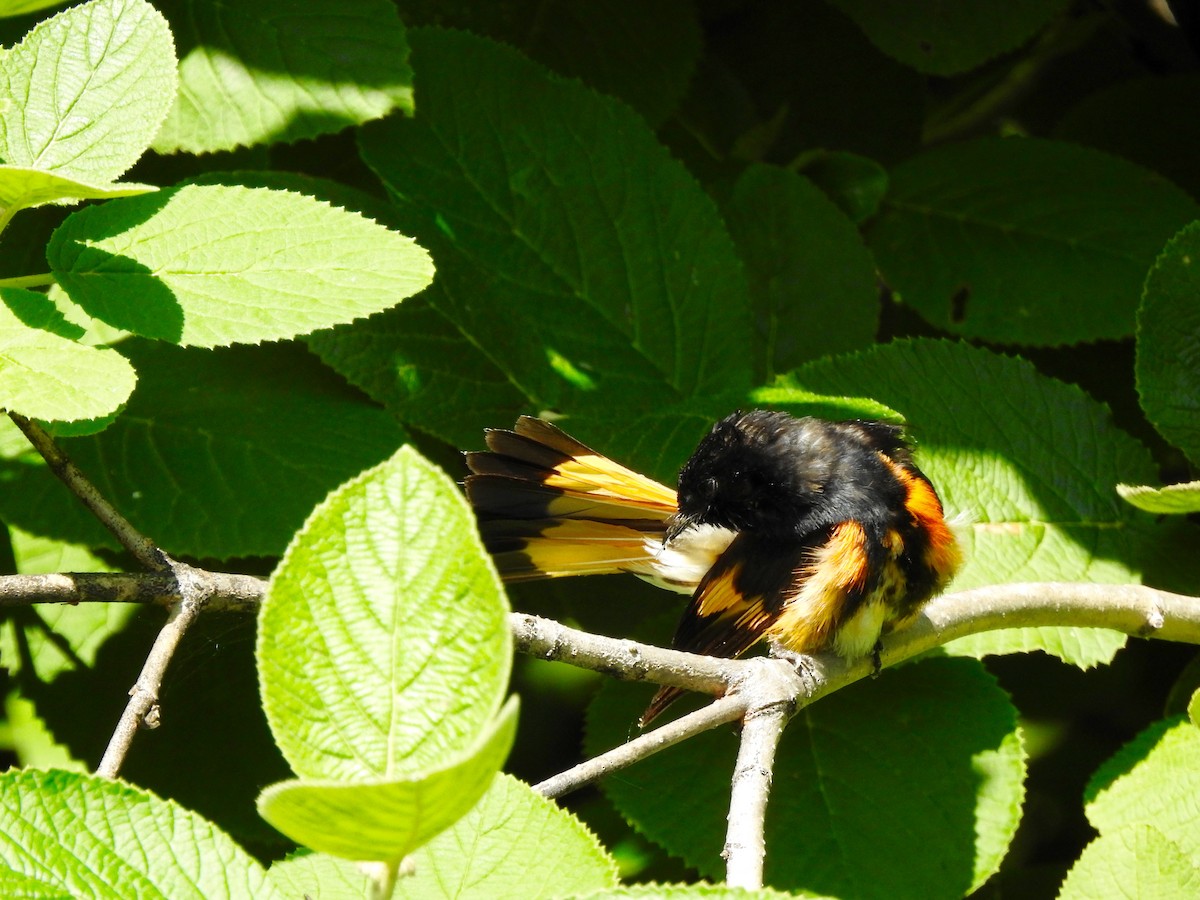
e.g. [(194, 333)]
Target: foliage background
[(713, 203)]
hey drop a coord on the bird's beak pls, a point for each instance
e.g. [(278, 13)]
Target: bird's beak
[(677, 525)]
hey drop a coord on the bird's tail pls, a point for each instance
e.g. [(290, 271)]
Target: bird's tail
[(550, 506)]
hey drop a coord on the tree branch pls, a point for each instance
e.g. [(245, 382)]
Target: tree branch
[(142, 707), (227, 592), (745, 845), (769, 691), (192, 588), (139, 546), (725, 709), (618, 658)]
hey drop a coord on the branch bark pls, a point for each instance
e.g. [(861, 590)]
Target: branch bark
[(763, 692), (720, 712), (227, 592), (139, 546), (762, 729), (142, 708), (192, 590)]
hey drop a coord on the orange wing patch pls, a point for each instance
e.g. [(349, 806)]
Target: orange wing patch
[(720, 598), (943, 556), (821, 589)]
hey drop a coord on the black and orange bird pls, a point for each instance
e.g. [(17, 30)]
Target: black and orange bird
[(811, 534)]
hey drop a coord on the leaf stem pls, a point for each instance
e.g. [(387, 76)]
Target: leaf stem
[(28, 281)]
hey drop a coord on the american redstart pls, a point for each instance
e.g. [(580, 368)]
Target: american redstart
[(812, 534)]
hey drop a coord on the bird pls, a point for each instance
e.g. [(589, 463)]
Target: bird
[(810, 534)]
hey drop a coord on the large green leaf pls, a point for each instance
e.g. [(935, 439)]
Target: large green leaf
[(1024, 241), (276, 71), (812, 281), (947, 38), (807, 74), (1139, 858), (388, 818), (86, 90), (1152, 781), (209, 265), (514, 845), (644, 53), (1027, 464), (217, 454), (82, 836), (383, 656), (572, 251), (907, 786), (383, 641), (1146, 120), (1168, 345), (416, 362)]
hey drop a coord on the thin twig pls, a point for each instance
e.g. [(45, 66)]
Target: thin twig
[(719, 712), (143, 696), (139, 546), (228, 592)]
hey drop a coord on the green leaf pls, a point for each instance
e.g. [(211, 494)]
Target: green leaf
[(1168, 343), (809, 66), (644, 53), (32, 742), (21, 187), (812, 282), (22, 7), (948, 38), (1025, 462), (217, 454), (514, 845), (308, 874), (388, 818), (276, 71), (1139, 858), (1174, 499), (1152, 781), (1193, 708), (44, 376), (783, 393), (214, 771), (1019, 240), (618, 282), (1146, 120), (414, 361), (207, 265), (82, 835), (684, 891), (94, 84), (387, 598), (855, 183), (906, 786)]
